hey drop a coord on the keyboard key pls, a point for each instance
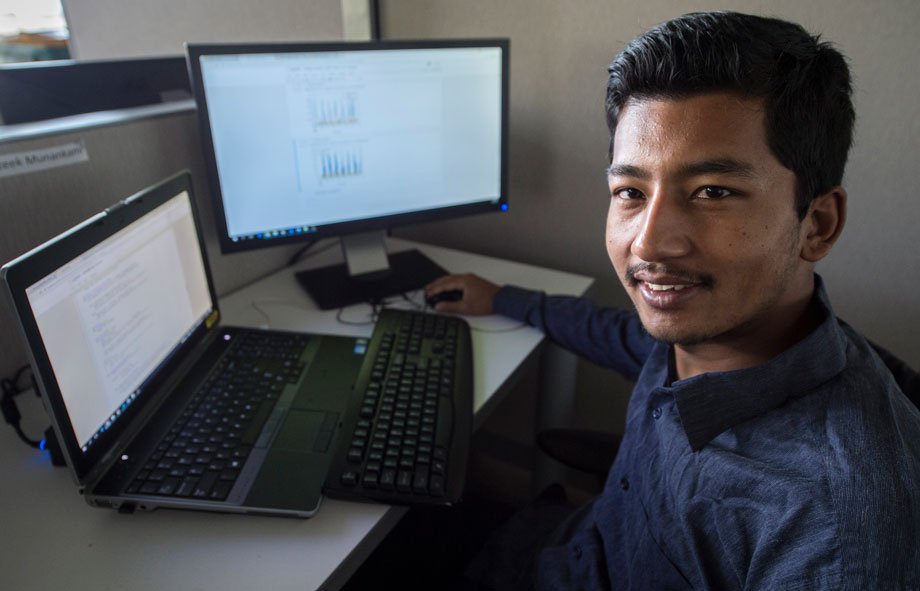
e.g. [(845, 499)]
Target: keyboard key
[(157, 475), (168, 486), (221, 490), (436, 486), (149, 488), (404, 480), (204, 486), (388, 479), (369, 479), (420, 481)]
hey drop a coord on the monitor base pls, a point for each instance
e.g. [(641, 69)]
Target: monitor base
[(333, 287)]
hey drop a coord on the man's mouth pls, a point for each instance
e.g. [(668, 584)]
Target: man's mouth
[(668, 296), (667, 289)]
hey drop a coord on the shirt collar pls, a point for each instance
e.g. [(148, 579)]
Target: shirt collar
[(710, 403)]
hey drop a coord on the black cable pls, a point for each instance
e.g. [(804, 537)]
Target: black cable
[(25, 438), (9, 409), (296, 256)]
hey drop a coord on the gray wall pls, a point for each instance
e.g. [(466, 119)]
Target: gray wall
[(559, 54), (121, 28)]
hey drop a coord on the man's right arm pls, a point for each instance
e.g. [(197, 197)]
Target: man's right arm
[(607, 336)]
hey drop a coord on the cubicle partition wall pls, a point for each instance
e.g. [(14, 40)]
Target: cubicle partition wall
[(55, 174), (49, 90)]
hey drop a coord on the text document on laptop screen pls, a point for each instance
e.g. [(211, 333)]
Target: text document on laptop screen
[(110, 317)]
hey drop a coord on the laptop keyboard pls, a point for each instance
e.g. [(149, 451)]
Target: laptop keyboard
[(407, 434), (202, 455)]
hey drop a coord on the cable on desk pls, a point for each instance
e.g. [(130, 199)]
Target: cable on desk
[(371, 318), (424, 307), (378, 305)]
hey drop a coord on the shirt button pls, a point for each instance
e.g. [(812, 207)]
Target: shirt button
[(624, 483), (576, 550), (656, 414)]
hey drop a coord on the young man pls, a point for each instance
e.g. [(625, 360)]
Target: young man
[(766, 444)]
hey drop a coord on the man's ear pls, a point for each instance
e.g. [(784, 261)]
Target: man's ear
[(823, 223)]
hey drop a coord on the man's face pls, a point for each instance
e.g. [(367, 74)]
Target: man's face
[(702, 228)]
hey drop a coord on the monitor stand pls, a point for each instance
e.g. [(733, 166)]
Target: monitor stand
[(369, 273)]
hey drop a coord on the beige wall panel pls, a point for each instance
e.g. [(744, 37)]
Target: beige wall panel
[(103, 29)]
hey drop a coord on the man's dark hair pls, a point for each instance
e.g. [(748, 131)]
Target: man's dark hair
[(804, 83)]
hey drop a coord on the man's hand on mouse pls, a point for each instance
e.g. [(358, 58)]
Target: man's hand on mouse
[(477, 294)]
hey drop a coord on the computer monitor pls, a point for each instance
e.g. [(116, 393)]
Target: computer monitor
[(305, 141)]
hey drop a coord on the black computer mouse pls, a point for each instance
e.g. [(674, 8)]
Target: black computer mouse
[(450, 295)]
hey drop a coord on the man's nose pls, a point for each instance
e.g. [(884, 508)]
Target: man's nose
[(664, 229)]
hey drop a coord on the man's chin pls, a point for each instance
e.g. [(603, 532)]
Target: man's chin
[(676, 335)]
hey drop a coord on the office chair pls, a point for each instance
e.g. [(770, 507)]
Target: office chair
[(593, 452)]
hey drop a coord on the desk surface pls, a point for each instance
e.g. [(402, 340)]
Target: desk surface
[(51, 539)]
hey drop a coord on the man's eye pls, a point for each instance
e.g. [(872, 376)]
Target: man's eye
[(714, 192), (628, 193)]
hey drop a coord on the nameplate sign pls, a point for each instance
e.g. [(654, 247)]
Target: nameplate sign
[(35, 160)]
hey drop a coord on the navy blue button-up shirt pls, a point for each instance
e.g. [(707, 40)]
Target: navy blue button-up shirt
[(802, 473)]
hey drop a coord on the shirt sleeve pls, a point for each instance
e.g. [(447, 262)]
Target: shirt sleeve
[(610, 337)]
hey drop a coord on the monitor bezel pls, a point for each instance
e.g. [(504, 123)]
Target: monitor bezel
[(194, 52)]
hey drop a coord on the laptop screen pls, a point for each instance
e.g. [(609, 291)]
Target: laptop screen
[(112, 316)]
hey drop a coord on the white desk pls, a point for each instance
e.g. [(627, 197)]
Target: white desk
[(51, 539)]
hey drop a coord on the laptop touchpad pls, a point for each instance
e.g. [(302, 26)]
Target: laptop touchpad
[(294, 470), (299, 431)]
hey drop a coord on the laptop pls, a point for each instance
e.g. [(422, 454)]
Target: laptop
[(154, 402)]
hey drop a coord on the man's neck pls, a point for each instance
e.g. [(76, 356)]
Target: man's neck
[(750, 346)]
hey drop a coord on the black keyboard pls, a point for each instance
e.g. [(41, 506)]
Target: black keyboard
[(406, 433), (202, 455)]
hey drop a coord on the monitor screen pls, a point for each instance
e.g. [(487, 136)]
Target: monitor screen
[(311, 140)]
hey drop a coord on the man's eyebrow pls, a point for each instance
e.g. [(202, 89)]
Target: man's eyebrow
[(627, 170), (726, 166)]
